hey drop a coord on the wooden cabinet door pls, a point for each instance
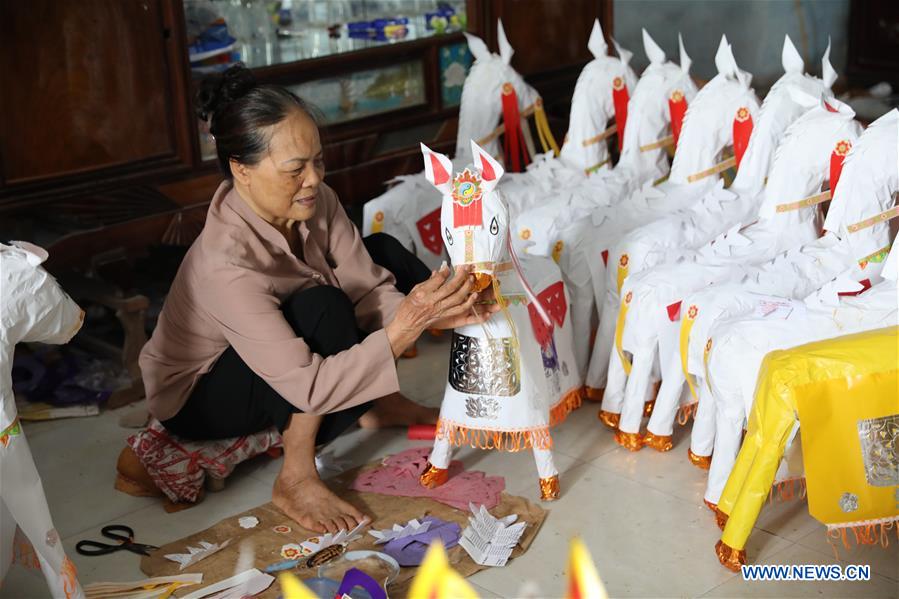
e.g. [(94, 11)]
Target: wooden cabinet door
[(92, 90)]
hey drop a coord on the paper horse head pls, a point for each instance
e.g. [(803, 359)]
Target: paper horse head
[(474, 218)]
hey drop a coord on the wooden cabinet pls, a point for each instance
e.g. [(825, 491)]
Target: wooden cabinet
[(97, 124), (93, 91)]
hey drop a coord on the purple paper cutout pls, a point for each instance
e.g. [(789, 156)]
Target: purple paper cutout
[(399, 474), (410, 551), (354, 577)]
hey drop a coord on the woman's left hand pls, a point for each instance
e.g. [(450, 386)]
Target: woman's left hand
[(485, 305)]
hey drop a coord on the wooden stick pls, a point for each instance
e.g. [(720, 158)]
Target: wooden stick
[(818, 198), (661, 143), (601, 137), (870, 222), (718, 168)]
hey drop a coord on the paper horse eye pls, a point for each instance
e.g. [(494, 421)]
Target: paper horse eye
[(494, 226), (449, 237)]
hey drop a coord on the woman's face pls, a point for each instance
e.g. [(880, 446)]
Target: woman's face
[(282, 187)]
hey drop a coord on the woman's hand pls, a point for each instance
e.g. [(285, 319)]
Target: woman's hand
[(439, 302)]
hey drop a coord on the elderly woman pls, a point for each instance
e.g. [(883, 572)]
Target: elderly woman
[(280, 314)]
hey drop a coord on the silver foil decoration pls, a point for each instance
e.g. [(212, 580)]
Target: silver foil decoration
[(879, 439), (482, 407), (848, 502), (484, 366)]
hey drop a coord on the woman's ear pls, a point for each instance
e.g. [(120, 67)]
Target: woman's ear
[(240, 172)]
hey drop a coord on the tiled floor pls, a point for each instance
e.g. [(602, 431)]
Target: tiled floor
[(640, 514)]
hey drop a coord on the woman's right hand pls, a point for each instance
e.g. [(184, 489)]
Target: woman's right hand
[(439, 299)]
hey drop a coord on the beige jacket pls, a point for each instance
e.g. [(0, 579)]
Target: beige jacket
[(229, 289)]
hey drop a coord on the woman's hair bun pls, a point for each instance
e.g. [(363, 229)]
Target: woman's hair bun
[(219, 89)]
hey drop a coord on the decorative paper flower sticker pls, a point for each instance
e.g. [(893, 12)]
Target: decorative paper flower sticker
[(379, 216), (708, 345), (628, 297), (525, 234), (292, 551), (618, 83), (677, 96), (742, 114), (692, 312), (557, 250), (282, 529), (843, 147), (622, 262), (466, 188)]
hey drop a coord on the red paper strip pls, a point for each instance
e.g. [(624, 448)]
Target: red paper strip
[(620, 98), (742, 132), (429, 229), (677, 108), (836, 163)]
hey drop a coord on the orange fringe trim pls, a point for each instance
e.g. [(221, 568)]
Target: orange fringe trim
[(511, 441), (629, 441), (549, 488), (570, 402), (786, 490), (877, 533), (720, 518), (660, 443), (710, 505), (730, 558), (433, 477), (685, 413), (700, 461), (610, 419), (593, 394)]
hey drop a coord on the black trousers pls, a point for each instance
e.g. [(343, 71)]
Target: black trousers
[(232, 401)]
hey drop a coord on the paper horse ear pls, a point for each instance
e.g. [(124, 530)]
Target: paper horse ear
[(477, 47), (505, 49), (597, 42), (624, 55), (828, 74), (490, 169), (790, 58), (802, 98), (652, 50), (35, 255), (724, 58), (438, 169), (685, 60)]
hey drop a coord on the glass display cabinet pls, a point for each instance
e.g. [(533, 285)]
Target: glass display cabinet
[(361, 63)]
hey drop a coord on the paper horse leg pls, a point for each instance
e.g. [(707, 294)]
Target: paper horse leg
[(23, 497)]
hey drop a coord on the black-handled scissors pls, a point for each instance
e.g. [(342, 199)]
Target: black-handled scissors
[(117, 532)]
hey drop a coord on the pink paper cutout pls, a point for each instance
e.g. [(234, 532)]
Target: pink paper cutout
[(399, 474)]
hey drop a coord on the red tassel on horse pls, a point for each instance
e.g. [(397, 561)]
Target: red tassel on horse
[(836, 163), (742, 132), (677, 108), (516, 151), (619, 100)]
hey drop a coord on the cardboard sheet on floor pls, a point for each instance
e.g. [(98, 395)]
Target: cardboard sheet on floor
[(385, 511)]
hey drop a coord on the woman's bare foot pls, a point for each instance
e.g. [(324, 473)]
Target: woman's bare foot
[(397, 410), (313, 506)]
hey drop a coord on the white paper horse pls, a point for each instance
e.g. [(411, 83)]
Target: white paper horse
[(409, 211), (541, 195), (802, 165), (498, 393), (648, 326), (33, 308), (562, 226), (707, 129), (857, 222)]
